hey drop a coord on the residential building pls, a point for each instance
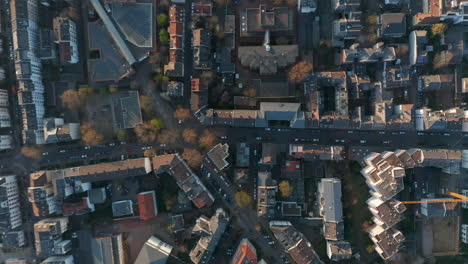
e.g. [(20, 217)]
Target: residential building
[(348, 27), (431, 12), (10, 211), (202, 8), (56, 130), (458, 16), (210, 231), (367, 55), (255, 21), (338, 250), (344, 6), (5, 119), (66, 259), (177, 223), (147, 205), (464, 233), (202, 58), (307, 6), (392, 25), (12, 239), (245, 253), (314, 152), (187, 181), (48, 237), (384, 175), (154, 251), (266, 195), (50, 188), (173, 89), (6, 142), (331, 208), (28, 68), (218, 155), (387, 242), (16, 261), (243, 155), (175, 67), (418, 41), (122, 208), (294, 242), (428, 119), (427, 83), (108, 249), (67, 39)]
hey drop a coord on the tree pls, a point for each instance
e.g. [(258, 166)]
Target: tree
[(243, 199), (208, 139), (163, 36), (371, 20), (285, 188), (182, 113), (193, 157), (71, 99), (162, 20), (278, 2), (122, 135), (32, 152), (207, 77), (370, 249), (90, 135), (134, 85), (291, 3), (157, 123), (155, 58), (113, 88), (168, 137), (146, 104), (146, 132), (190, 135), (149, 153), (250, 91), (300, 71), (438, 29), (85, 91)]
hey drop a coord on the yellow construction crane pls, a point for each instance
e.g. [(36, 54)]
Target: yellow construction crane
[(461, 198)]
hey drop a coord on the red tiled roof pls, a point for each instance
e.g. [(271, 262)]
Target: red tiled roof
[(147, 205), (78, 208), (290, 165), (197, 85), (176, 42), (176, 28), (245, 254), (203, 8), (176, 55)]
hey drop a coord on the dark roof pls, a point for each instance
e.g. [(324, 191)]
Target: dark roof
[(273, 88), (260, 19), (218, 155), (126, 109), (393, 24), (268, 62)]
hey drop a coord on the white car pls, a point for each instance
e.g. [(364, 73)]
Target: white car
[(363, 141), (45, 153), (84, 156), (87, 147), (62, 151), (223, 137), (111, 144), (258, 138), (316, 140)]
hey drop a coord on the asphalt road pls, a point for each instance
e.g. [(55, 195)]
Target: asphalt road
[(348, 138)]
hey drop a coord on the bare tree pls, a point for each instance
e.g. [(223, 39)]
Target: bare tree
[(208, 139), (90, 135), (193, 157), (32, 152), (146, 132), (207, 77), (243, 199), (168, 137), (300, 71), (182, 113), (190, 135), (134, 85), (71, 99)]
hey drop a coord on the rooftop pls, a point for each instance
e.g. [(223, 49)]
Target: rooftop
[(267, 62), (147, 205), (255, 21), (122, 208), (154, 251), (126, 109), (392, 24)]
